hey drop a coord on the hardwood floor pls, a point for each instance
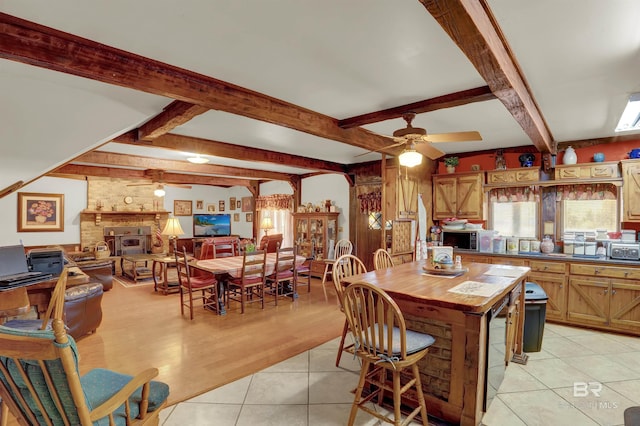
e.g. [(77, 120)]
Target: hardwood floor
[(142, 329)]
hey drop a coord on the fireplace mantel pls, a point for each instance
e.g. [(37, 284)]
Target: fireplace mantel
[(98, 213)]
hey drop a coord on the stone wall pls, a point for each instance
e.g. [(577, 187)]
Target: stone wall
[(106, 196)]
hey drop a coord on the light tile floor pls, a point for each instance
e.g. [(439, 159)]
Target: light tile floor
[(581, 377)]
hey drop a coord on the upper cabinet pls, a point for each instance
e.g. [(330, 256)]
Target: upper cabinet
[(608, 170), (458, 195), (631, 190)]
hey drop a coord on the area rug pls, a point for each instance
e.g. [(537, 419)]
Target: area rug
[(129, 283)]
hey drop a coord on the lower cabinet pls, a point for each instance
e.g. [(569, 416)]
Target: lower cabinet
[(598, 297), (551, 276)]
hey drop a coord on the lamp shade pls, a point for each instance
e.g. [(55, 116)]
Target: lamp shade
[(172, 228), (266, 223), (410, 158)]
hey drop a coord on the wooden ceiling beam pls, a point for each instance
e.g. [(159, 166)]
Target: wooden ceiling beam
[(126, 160), (472, 26), (464, 97), (174, 178), (227, 150), (34, 44), (173, 115)]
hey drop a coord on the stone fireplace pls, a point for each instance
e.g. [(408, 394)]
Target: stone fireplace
[(129, 212)]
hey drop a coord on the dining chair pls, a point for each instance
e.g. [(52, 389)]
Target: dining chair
[(303, 271), (226, 247), (342, 247), (345, 266), (382, 259), (40, 383), (383, 344), (206, 249), (205, 285), (283, 273), (250, 286)]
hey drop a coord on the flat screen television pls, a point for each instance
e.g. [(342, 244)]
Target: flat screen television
[(211, 225)]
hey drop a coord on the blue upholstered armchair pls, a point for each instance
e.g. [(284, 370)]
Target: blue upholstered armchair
[(40, 383)]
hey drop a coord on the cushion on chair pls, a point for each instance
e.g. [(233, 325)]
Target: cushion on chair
[(249, 280), (197, 282), (282, 275), (100, 384), (26, 324), (415, 341)]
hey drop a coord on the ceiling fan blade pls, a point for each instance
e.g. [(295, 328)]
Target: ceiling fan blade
[(429, 150), (398, 143), (452, 137)]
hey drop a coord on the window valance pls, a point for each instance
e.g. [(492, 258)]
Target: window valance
[(593, 191), (275, 202), (370, 198), (514, 195)]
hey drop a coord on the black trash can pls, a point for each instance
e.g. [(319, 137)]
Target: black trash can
[(535, 308)]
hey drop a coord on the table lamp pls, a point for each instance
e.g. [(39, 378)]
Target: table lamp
[(266, 224), (173, 230)]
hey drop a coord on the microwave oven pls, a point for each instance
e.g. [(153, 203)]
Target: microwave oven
[(464, 239)]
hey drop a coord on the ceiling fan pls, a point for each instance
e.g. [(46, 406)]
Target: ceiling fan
[(417, 141), (157, 179)]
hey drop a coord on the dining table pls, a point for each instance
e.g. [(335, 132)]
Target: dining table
[(231, 267), (457, 308)]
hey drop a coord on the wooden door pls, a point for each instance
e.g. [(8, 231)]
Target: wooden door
[(588, 301), (555, 288), (444, 197), (631, 191), (625, 304)]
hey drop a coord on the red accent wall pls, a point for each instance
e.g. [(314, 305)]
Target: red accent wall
[(612, 152)]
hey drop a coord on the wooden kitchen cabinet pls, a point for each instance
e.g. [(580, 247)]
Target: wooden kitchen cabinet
[(315, 234), (631, 190), (458, 195), (511, 176), (608, 170), (604, 296), (551, 276)]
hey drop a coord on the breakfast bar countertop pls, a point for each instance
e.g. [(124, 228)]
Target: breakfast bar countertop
[(413, 283)]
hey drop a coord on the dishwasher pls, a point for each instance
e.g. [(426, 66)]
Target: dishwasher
[(496, 349)]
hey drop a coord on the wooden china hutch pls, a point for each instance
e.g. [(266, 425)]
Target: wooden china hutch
[(315, 235)]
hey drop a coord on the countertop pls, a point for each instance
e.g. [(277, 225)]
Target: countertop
[(554, 256)]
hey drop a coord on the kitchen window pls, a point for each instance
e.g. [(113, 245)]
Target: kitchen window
[(514, 211), (586, 208)]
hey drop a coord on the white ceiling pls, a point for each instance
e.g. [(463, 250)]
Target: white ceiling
[(337, 58)]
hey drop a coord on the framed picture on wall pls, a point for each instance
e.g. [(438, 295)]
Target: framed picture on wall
[(238, 204), (199, 205), (247, 204), (232, 203), (221, 205), (40, 212), (249, 217), (182, 207), (211, 208), (236, 217)]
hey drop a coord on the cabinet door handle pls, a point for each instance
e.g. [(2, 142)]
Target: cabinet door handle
[(626, 273), (613, 292), (605, 292), (546, 267), (597, 271)]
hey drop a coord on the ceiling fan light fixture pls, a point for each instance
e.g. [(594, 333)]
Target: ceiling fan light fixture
[(197, 159), (159, 191), (410, 157)]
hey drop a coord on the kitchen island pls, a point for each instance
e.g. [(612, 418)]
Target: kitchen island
[(457, 311)]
